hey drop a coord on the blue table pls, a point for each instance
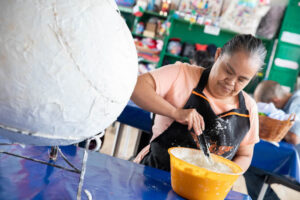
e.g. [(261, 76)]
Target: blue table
[(280, 164), (106, 177), (282, 160), (134, 116)]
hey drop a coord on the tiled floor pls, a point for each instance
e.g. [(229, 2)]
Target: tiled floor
[(128, 141)]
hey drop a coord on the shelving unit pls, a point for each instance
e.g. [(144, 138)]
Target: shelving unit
[(194, 33), (285, 65)]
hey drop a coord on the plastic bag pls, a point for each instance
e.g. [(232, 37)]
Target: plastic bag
[(243, 16), (270, 23)]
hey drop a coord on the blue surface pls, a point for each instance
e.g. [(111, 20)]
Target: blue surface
[(282, 160), (135, 116), (106, 177)]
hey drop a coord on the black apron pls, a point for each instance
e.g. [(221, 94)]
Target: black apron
[(223, 132)]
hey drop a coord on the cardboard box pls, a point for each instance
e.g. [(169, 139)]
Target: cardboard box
[(149, 33), (150, 29), (151, 26)]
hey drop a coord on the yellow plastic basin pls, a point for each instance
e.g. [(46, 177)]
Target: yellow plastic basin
[(193, 182)]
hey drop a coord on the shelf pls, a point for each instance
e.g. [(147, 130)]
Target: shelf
[(130, 10), (177, 57), (125, 9), (141, 35), (221, 29), (146, 61), (155, 14)]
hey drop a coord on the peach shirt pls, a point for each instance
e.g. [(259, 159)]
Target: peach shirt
[(175, 84)]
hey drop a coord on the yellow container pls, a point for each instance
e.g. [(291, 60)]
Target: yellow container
[(193, 182)]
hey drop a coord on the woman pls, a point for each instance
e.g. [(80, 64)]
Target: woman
[(207, 101)]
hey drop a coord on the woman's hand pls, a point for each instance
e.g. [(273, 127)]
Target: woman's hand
[(191, 118)]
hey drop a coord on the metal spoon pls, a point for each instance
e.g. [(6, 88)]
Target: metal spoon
[(203, 145)]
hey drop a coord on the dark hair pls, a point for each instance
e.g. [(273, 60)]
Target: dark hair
[(247, 43)]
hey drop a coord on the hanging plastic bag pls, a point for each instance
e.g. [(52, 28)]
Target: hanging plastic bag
[(243, 16)]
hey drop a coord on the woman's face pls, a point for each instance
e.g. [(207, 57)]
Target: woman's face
[(231, 73)]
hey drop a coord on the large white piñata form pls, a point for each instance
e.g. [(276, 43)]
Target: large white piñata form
[(67, 69)]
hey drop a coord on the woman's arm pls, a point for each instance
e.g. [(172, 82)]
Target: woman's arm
[(243, 156), (144, 95)]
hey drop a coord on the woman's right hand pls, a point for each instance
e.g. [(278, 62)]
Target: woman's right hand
[(191, 118)]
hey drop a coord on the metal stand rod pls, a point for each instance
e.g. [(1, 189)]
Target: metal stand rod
[(88, 194), (39, 161), (84, 160), (66, 160), (263, 189)]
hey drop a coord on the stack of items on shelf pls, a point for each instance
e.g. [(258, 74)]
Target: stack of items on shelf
[(165, 7), (201, 11), (153, 28), (140, 7), (148, 48), (174, 46), (199, 54), (162, 7)]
